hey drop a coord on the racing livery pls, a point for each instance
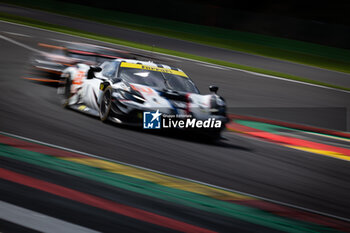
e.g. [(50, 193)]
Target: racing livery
[(51, 63), (121, 90)]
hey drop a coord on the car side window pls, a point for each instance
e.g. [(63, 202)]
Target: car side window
[(109, 69)]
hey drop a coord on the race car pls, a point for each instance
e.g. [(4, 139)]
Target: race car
[(49, 64), (123, 90)]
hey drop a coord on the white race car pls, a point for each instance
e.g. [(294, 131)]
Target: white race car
[(121, 90)]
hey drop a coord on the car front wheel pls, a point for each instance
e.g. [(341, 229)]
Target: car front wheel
[(105, 104), (64, 90)]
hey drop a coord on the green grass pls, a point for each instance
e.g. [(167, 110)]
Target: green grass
[(280, 48), (43, 25)]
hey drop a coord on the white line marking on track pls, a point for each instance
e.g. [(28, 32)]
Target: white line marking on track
[(16, 34), (38, 221), (172, 59), (290, 80), (214, 66), (328, 136), (187, 59), (178, 177), (20, 44)]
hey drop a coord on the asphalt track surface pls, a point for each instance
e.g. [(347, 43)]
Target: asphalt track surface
[(313, 73), (252, 166)]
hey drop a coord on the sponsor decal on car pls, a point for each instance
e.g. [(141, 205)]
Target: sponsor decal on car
[(151, 68)]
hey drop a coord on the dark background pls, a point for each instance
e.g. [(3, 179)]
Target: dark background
[(213, 12), (321, 22), (326, 23)]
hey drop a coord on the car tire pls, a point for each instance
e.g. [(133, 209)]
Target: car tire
[(65, 88), (106, 104)]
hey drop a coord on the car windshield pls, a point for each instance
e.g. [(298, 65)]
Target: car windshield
[(179, 83), (157, 80)]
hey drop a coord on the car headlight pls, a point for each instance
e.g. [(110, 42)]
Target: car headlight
[(133, 96)]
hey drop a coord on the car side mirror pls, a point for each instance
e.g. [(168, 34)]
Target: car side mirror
[(95, 69), (213, 88), (92, 70)]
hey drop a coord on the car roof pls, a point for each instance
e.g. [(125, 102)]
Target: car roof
[(149, 63)]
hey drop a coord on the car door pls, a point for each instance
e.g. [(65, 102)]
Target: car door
[(91, 87)]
